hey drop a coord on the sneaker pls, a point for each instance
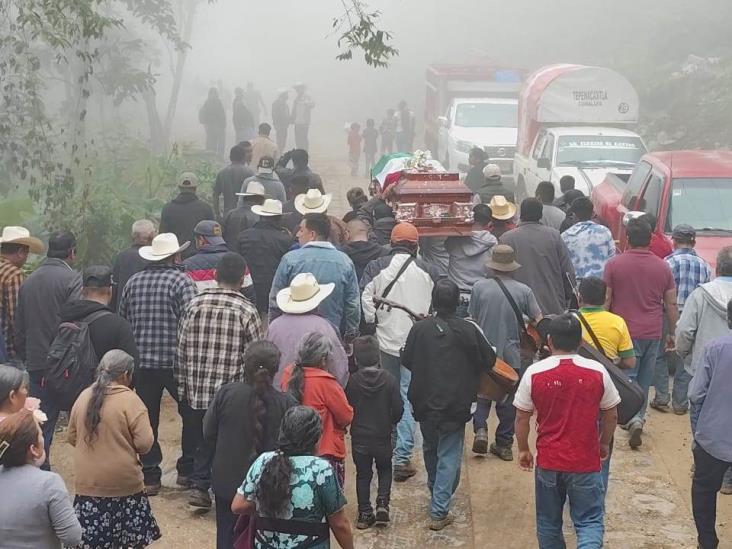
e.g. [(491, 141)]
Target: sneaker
[(200, 499), (365, 520), (680, 411), (480, 442), (382, 513), (501, 451), (152, 488), (438, 524), (404, 472), (184, 481), (660, 406), (635, 432)]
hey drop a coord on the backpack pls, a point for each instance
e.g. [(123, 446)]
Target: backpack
[(71, 361)]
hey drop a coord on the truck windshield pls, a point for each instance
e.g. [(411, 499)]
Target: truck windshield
[(486, 115), (703, 203), (599, 150)]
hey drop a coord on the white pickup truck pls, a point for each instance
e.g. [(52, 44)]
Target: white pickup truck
[(574, 120)]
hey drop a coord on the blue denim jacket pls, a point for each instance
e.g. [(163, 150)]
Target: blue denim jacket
[(343, 307)]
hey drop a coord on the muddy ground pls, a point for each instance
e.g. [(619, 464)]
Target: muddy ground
[(648, 505)]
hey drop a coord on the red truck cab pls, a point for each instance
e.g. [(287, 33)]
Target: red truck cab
[(678, 187)]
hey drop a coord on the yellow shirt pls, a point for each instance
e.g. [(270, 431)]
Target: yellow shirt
[(610, 330)]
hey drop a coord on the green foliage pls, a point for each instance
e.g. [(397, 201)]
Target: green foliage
[(359, 30)]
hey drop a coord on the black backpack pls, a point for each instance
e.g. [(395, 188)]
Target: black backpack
[(71, 361)]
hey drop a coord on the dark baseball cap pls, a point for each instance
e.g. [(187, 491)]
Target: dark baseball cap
[(683, 232), (97, 276), (266, 164), (211, 230)]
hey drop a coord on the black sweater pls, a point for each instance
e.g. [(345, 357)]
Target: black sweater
[(377, 407)]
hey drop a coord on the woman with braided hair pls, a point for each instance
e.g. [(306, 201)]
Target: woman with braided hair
[(109, 429), (311, 384), (241, 422), (293, 496)]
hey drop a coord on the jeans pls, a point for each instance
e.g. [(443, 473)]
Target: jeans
[(197, 465), (586, 507), (150, 384), (646, 352), (708, 474), (443, 458), (679, 398), (605, 471), (301, 136), (225, 522), (506, 419), (37, 389), (364, 473), (281, 138), (406, 427)]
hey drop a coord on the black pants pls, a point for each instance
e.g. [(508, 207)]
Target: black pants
[(198, 464), (364, 473), (225, 521), (150, 384), (708, 474)]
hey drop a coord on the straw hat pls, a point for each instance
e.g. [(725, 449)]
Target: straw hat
[(21, 235), (164, 245), (303, 295), (270, 208), (254, 188), (503, 259), (502, 208), (312, 202)]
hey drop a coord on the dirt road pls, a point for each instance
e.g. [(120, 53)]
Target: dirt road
[(648, 505)]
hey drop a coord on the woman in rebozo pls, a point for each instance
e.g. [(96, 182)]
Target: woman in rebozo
[(35, 508), (13, 390), (311, 385), (291, 490), (242, 422), (109, 428)]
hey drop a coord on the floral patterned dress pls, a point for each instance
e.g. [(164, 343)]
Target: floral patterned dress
[(315, 496)]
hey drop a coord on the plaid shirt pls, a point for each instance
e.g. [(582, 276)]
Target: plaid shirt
[(689, 271), (152, 302), (214, 332), (11, 277)]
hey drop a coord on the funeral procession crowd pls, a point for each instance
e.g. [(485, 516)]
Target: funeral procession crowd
[(293, 340)]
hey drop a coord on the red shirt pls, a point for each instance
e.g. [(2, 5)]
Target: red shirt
[(660, 245), (638, 280), (567, 393)]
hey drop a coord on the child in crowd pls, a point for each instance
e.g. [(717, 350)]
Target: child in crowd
[(354, 147), (377, 406), (370, 136)]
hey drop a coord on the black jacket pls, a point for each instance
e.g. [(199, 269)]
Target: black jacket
[(40, 298), (362, 253), (107, 332), (446, 357), (475, 179), (263, 247), (181, 215), (377, 407), (126, 264), (229, 427), (237, 220)]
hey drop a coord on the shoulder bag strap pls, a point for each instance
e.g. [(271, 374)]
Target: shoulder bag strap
[(516, 311), (96, 315), (391, 284), (595, 341)]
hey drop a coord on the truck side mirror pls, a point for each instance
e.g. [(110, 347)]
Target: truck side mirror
[(544, 163), (443, 121)]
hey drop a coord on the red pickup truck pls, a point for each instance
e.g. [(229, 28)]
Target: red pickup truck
[(689, 187)]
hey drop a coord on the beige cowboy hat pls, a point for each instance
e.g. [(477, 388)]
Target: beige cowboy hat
[(303, 295), (164, 245), (502, 209), (312, 202), (270, 208), (503, 258), (21, 235), (254, 188)]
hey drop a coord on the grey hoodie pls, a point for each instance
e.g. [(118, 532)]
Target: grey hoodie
[(468, 255), (704, 318)]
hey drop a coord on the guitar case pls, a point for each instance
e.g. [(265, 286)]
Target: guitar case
[(631, 395)]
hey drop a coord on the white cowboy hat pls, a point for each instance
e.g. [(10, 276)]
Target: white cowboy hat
[(501, 208), (254, 188), (164, 245), (270, 208), (21, 235), (312, 202), (303, 295)]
